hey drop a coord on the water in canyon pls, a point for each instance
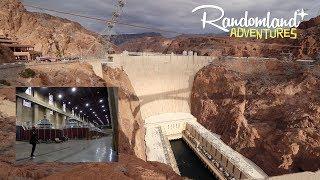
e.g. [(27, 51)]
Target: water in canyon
[(189, 164)]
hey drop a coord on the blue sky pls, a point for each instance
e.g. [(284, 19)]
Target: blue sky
[(172, 15)]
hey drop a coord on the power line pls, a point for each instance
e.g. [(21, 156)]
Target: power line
[(134, 25), (100, 19)]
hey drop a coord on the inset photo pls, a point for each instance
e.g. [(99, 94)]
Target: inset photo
[(66, 124)]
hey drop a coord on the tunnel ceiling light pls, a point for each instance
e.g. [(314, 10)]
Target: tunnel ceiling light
[(60, 96), (80, 111), (69, 102), (87, 105), (74, 89), (76, 108), (101, 100), (102, 106), (104, 110), (90, 109)]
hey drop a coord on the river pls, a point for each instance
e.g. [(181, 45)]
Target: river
[(189, 164)]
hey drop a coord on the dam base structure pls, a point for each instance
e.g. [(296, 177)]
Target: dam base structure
[(163, 84)]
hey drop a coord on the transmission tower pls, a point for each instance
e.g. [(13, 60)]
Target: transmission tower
[(108, 49), (114, 19)]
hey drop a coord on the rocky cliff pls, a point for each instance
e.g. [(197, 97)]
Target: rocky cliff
[(267, 111), (131, 125), (146, 44), (50, 35), (6, 55), (310, 39)]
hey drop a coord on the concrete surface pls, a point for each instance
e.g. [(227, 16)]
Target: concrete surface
[(97, 150), (162, 83)]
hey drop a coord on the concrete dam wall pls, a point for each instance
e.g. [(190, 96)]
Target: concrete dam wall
[(162, 83)]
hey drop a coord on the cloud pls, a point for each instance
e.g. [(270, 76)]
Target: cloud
[(172, 15)]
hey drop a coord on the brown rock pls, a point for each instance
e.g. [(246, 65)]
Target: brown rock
[(6, 55), (131, 129), (269, 116), (48, 34)]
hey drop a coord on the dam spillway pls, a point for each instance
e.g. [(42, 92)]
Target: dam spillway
[(219, 158)]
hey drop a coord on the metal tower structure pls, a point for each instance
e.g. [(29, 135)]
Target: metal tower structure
[(111, 23)]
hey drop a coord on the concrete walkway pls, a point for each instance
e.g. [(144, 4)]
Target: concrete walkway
[(97, 150)]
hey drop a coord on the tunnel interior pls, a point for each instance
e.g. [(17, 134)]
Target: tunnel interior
[(72, 124)]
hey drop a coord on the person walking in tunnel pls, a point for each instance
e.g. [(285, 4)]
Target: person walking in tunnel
[(33, 141)]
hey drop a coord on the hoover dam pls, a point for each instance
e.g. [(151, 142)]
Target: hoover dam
[(163, 84)]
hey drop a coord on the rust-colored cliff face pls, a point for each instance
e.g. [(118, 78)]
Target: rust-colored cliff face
[(310, 38), (50, 35), (131, 134), (267, 113), (131, 129)]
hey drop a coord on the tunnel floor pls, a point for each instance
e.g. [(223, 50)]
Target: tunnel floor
[(189, 164), (97, 150)]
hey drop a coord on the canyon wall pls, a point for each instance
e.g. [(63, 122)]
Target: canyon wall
[(269, 111), (131, 124)]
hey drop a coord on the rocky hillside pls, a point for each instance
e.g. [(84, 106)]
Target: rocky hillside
[(6, 55), (205, 45), (306, 46), (123, 38), (147, 44), (269, 112), (310, 39), (51, 35), (131, 125)]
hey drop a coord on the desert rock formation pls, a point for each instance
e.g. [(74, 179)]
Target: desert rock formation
[(131, 125), (306, 46), (310, 38), (267, 111), (6, 55), (50, 35)]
